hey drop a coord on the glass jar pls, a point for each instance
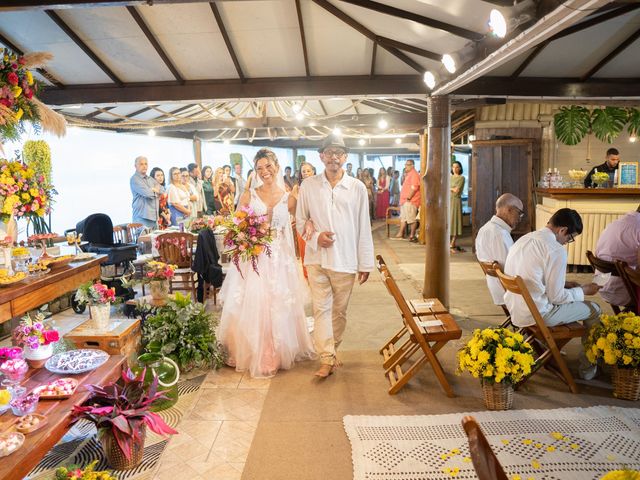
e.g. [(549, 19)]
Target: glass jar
[(168, 374)]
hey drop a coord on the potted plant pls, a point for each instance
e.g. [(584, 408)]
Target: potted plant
[(185, 332), (36, 339), (157, 275), (121, 412), (500, 358), (616, 339), (74, 472), (99, 297)]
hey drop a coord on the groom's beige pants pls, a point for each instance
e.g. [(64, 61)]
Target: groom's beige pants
[(330, 293)]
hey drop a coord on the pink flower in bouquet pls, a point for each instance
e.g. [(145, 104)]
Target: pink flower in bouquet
[(33, 333), (10, 353), (12, 78), (50, 336), (248, 236)]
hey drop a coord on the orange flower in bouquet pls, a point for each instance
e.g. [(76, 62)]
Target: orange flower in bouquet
[(248, 236)]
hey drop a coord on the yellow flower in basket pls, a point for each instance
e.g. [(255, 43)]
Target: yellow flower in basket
[(616, 340)]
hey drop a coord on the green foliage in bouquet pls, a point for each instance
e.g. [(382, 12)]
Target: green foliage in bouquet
[(183, 331)]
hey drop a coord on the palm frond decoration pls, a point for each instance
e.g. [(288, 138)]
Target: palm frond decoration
[(607, 123), (572, 124), (633, 127)]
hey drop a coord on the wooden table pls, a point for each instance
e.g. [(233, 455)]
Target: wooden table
[(33, 292), (17, 465)]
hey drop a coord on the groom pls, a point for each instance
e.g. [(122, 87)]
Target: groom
[(340, 249)]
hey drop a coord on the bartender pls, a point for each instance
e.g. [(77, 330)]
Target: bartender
[(609, 166)]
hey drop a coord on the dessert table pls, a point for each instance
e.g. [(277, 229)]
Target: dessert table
[(58, 412), (32, 292)]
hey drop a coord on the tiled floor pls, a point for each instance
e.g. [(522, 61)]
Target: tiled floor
[(216, 434)]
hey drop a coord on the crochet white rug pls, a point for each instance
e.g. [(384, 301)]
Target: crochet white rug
[(559, 444)]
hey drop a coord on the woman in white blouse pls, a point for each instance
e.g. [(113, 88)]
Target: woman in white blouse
[(179, 198)]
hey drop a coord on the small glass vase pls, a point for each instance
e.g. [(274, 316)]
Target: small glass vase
[(100, 314), (159, 289), (37, 357)]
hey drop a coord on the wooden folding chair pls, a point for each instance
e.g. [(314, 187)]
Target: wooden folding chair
[(414, 339), (489, 269), (605, 266), (550, 339), (485, 462), (120, 234), (390, 219), (177, 249), (133, 232), (631, 278)]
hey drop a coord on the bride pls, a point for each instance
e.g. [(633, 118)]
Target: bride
[(263, 326)]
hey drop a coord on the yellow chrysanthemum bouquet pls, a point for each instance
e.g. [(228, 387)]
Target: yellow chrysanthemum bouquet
[(616, 339), (622, 475), (496, 355), (23, 192)]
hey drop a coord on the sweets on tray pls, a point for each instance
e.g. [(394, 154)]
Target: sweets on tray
[(14, 369), (76, 361), (62, 387), (30, 423), (10, 442), (25, 404)]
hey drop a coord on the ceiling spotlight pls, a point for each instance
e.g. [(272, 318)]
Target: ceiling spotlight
[(632, 138), (449, 63), (429, 79), (239, 123), (299, 116), (497, 24), (382, 124), (361, 142), (398, 141), (151, 133), (226, 141), (337, 131), (296, 107)]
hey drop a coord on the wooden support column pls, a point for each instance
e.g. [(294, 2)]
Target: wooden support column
[(423, 190), (436, 185), (197, 152)]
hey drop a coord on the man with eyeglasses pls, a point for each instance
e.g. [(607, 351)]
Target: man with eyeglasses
[(340, 249), (409, 201), (541, 260), (493, 240)]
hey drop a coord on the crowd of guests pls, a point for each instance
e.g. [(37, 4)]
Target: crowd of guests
[(383, 192)]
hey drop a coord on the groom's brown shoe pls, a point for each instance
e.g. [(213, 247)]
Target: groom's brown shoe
[(324, 371)]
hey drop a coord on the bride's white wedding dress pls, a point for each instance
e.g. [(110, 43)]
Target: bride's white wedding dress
[(263, 326)]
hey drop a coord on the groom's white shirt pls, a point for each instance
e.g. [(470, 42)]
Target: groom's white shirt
[(343, 210)]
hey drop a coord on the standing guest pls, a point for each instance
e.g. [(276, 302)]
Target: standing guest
[(193, 195), (145, 191), (240, 183), (540, 259), (179, 197), (620, 240), (340, 249), (610, 166), (394, 189), (455, 205), (368, 183), (359, 173), (306, 170), (223, 193), (409, 200), (228, 175), (350, 170), (207, 189), (494, 239), (195, 180), (382, 198), (288, 179), (164, 215)]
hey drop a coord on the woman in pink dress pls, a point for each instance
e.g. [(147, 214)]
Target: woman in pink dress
[(382, 199)]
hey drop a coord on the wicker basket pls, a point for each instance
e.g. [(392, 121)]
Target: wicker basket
[(626, 383), (116, 458), (497, 396)]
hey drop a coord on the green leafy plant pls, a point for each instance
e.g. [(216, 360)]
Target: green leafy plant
[(607, 123), (572, 124), (183, 331), (633, 125)]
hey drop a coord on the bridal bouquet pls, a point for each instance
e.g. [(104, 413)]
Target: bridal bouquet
[(248, 236)]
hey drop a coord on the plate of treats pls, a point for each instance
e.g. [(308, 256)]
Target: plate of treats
[(76, 361), (58, 262), (10, 442), (30, 423), (6, 279), (57, 389)]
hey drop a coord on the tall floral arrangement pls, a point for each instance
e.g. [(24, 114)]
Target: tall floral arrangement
[(616, 339), (23, 193), (248, 235)]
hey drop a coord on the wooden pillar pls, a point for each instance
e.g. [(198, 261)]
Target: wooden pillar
[(423, 190), (436, 185), (197, 152)]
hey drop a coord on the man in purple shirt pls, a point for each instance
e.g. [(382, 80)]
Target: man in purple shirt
[(620, 240)]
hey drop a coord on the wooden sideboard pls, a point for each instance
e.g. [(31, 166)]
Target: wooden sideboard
[(18, 299)]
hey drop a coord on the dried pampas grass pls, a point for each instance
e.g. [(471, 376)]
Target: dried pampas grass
[(6, 115), (37, 59), (50, 121)]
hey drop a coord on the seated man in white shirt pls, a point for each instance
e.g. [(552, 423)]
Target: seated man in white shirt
[(541, 260), (494, 239)]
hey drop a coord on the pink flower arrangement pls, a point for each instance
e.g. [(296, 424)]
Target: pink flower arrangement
[(159, 270), (10, 353), (33, 333), (95, 294), (248, 236)]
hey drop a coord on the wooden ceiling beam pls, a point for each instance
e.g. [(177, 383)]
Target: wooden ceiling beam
[(227, 40), (384, 41), (45, 73), (374, 53), (303, 39), (611, 55), (257, 88), (396, 105), (529, 59), (97, 112), (60, 4), (154, 42), (369, 34), (414, 17), (83, 46)]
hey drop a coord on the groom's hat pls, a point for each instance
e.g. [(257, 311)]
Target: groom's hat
[(333, 141)]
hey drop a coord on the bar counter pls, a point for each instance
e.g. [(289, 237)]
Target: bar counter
[(598, 207)]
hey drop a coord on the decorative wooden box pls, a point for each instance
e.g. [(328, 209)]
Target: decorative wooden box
[(121, 337)]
